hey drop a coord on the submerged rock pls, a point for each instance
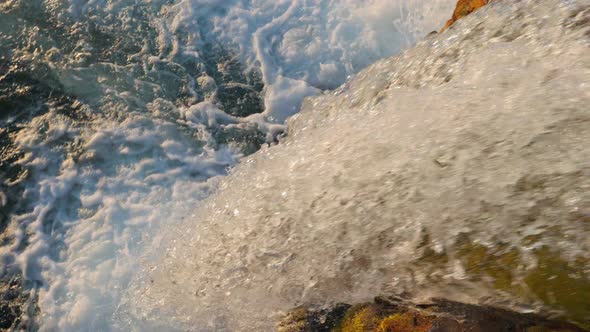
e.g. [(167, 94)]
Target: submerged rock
[(397, 315)]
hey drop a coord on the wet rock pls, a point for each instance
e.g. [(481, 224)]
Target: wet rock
[(399, 315), (240, 99), (302, 319), (246, 137), (239, 90), (8, 315), (13, 304), (464, 8)]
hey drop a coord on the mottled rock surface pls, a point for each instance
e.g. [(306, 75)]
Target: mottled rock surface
[(398, 315)]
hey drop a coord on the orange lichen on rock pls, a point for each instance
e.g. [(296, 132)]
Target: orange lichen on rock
[(464, 8)]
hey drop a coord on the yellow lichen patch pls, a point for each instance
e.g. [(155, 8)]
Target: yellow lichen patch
[(561, 285), (295, 321), (406, 322), (361, 318)]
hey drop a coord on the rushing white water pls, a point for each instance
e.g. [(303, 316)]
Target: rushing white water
[(153, 119), (473, 141), (302, 47)]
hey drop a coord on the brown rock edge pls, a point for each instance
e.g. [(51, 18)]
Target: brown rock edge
[(398, 315), (464, 8)]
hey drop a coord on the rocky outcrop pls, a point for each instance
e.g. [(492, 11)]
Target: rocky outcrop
[(398, 315), (464, 8)]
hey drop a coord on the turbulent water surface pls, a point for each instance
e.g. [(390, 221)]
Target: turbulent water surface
[(458, 169), (116, 117)]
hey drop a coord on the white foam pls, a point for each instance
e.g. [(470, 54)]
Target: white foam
[(302, 47), (132, 178)]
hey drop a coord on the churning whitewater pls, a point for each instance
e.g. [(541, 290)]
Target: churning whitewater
[(459, 169), (137, 107)]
